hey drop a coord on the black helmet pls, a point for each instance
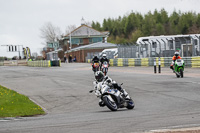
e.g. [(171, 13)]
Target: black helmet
[(99, 76), (176, 54)]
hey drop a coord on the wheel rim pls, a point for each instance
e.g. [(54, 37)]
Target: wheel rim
[(113, 104)]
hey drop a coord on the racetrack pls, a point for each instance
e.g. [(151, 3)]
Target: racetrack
[(162, 100)]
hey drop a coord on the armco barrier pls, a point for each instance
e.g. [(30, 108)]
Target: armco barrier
[(1, 63), (131, 62), (195, 62), (137, 62), (15, 63), (120, 62), (144, 61), (165, 61), (111, 62), (42, 63)]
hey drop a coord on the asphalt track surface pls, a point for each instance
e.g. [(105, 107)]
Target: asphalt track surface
[(162, 100)]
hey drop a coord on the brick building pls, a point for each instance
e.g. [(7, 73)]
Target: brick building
[(85, 41), (84, 35), (85, 52)]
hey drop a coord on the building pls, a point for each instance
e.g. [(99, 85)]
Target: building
[(84, 42), (85, 52), (84, 35)]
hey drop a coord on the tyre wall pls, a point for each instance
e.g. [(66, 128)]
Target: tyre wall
[(193, 62)]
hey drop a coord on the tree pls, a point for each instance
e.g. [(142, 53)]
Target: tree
[(69, 29), (50, 32), (135, 35)]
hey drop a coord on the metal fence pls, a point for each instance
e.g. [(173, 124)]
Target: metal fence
[(127, 51), (165, 46)]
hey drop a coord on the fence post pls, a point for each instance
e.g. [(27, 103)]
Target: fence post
[(154, 65), (159, 68)]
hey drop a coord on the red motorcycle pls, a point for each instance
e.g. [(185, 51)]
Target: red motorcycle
[(104, 67), (95, 67)]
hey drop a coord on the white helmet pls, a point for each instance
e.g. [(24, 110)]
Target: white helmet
[(104, 56), (176, 54)]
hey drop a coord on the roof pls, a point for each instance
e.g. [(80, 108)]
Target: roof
[(162, 37), (98, 45), (85, 30)]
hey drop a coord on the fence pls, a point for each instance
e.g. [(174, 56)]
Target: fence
[(127, 51)]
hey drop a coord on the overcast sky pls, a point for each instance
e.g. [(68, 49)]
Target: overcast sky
[(21, 20)]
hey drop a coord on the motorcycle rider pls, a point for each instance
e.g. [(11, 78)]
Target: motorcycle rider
[(95, 60), (174, 58), (104, 58), (99, 77)]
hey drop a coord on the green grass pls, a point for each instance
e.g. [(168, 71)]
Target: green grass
[(13, 104)]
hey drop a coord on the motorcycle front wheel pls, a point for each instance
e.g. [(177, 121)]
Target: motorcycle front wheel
[(111, 105), (181, 72)]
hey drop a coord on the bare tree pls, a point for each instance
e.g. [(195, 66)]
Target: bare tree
[(88, 23), (69, 29), (50, 32)]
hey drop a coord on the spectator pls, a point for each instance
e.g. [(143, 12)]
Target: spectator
[(65, 59), (74, 59)]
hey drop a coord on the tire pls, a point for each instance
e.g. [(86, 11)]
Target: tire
[(181, 72), (131, 104), (112, 106), (177, 76)]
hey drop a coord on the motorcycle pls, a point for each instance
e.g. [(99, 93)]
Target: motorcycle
[(179, 68), (104, 68), (111, 97), (95, 67)]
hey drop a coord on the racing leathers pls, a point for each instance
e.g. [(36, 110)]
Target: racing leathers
[(174, 58), (102, 60), (107, 80), (94, 60)]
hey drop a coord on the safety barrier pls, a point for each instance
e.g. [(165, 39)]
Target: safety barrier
[(145, 62), (195, 62), (15, 63), (42, 63), (1, 63)]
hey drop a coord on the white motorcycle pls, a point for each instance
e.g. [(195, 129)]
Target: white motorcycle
[(111, 97)]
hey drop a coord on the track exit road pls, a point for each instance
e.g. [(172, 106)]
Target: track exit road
[(162, 100)]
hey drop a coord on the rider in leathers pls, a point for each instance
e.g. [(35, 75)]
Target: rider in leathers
[(104, 58), (99, 77), (94, 60), (174, 58)]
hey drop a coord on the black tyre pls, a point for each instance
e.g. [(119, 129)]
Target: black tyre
[(131, 104), (181, 72), (111, 105), (177, 75)]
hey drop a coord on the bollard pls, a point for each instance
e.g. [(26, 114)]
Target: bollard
[(159, 68), (155, 65)]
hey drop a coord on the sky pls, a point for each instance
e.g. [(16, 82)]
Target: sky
[(21, 20)]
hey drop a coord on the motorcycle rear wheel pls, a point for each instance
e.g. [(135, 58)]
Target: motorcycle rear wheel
[(111, 105)]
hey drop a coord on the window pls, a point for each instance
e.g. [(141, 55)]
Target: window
[(75, 40), (97, 39)]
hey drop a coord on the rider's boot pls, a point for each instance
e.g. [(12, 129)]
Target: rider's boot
[(171, 67), (101, 103), (125, 94)]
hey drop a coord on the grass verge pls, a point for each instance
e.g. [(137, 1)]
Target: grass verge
[(13, 104)]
